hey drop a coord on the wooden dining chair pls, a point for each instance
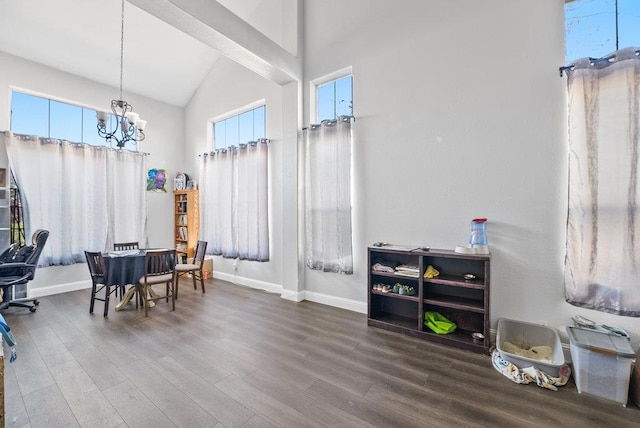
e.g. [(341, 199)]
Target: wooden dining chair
[(99, 280), (194, 268), (159, 268), (121, 246)]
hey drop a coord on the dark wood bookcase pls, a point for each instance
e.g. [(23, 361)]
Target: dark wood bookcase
[(463, 301)]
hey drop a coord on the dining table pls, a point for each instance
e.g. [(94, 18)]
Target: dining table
[(124, 268)]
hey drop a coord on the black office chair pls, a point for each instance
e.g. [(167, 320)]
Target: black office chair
[(7, 255), (21, 269)]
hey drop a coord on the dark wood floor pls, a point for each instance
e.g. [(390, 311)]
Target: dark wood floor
[(237, 357)]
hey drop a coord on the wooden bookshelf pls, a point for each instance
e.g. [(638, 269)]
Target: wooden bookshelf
[(186, 222)]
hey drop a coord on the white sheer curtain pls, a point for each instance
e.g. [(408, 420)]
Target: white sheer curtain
[(126, 186), (66, 189), (328, 196), (602, 265), (234, 202), (252, 219)]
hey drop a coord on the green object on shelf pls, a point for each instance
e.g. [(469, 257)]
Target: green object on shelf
[(438, 323)]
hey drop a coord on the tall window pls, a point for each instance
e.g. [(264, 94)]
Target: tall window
[(88, 196), (334, 98), (595, 28), (240, 128), (234, 187), (602, 244), (33, 115), (327, 145)]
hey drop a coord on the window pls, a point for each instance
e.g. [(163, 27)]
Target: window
[(33, 115), (241, 128), (595, 28), (334, 98), (328, 242)]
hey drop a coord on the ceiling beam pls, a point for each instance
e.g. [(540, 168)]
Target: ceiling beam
[(216, 26)]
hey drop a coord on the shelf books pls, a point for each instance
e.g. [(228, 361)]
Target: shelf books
[(182, 233), (408, 270)]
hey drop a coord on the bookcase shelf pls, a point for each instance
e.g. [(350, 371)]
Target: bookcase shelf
[(463, 301), (186, 222)]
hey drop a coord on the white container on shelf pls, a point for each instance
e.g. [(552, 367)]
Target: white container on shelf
[(527, 335), (601, 363)]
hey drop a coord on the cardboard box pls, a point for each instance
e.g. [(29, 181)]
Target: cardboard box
[(207, 267)]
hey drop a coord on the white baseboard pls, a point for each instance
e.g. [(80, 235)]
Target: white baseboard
[(299, 296), (294, 296), (338, 302), (248, 282), (34, 293)]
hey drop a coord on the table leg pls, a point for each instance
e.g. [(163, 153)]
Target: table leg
[(125, 299), (130, 293)]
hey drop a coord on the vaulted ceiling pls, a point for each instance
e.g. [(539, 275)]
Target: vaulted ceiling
[(168, 50)]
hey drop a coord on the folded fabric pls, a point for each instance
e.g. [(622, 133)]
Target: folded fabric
[(431, 272), (530, 374), (438, 323), (379, 267)]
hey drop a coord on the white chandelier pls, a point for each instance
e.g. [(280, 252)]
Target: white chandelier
[(128, 125)]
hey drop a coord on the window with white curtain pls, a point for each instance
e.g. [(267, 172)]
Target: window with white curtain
[(234, 201), (603, 87), (327, 174), (86, 194), (603, 227), (87, 197)]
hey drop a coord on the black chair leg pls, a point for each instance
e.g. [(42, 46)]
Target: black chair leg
[(107, 292), (24, 305), (93, 298)]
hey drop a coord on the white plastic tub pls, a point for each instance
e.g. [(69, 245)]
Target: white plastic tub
[(601, 364), (527, 335)]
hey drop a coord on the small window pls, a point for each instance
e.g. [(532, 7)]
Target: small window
[(595, 28), (240, 128), (33, 115), (334, 98)]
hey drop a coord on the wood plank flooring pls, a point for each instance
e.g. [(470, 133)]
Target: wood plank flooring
[(238, 357)]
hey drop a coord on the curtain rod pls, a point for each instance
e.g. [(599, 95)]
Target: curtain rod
[(593, 61), (344, 118), (59, 141), (239, 146)]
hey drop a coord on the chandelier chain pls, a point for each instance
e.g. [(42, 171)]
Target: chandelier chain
[(121, 47)]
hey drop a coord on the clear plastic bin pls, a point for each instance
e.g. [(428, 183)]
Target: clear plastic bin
[(601, 363)]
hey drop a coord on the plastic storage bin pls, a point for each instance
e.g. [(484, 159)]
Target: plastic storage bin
[(526, 335), (601, 363)]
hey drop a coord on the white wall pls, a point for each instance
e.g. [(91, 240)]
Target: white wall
[(460, 113), (164, 142)]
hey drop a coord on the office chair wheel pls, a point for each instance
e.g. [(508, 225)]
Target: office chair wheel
[(36, 302), (33, 309)]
